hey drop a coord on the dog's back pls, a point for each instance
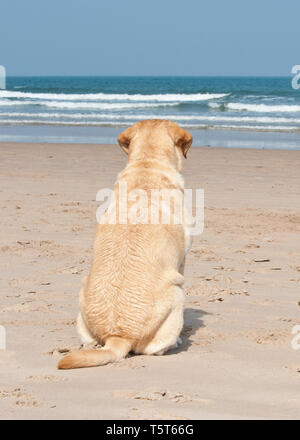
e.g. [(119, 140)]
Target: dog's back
[(133, 267)]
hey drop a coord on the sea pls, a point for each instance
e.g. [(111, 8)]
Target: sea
[(243, 112)]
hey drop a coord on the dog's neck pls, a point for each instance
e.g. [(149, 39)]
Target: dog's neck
[(151, 156), (150, 166)]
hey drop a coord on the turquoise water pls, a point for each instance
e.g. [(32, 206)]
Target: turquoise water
[(230, 111)]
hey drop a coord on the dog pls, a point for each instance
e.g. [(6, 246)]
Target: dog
[(132, 299)]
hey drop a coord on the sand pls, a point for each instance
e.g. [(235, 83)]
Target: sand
[(236, 360)]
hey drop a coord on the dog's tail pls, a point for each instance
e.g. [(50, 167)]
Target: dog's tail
[(115, 349)]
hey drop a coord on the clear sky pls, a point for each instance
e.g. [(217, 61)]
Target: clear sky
[(153, 37)]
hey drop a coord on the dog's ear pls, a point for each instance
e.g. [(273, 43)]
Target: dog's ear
[(125, 138), (182, 138)]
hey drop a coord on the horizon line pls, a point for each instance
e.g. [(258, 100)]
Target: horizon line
[(147, 76)]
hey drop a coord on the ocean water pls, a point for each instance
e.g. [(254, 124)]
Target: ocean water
[(219, 111)]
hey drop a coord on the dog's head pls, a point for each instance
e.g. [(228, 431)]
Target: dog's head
[(156, 138)]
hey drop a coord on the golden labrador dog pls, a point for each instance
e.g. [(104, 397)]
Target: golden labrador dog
[(132, 299)]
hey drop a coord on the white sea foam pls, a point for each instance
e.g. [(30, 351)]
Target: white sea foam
[(134, 117), (259, 108), (124, 123), (170, 97), (61, 122), (88, 105), (251, 119), (102, 105), (13, 103), (245, 127)]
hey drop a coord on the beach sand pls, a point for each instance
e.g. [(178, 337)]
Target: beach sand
[(242, 289)]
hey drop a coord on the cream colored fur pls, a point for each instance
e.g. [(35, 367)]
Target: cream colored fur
[(132, 299)]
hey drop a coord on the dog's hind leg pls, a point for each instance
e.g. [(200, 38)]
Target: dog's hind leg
[(85, 335), (167, 336), (82, 329)]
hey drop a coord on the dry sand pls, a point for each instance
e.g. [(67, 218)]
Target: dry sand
[(236, 360)]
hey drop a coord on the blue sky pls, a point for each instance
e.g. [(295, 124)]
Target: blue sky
[(157, 37)]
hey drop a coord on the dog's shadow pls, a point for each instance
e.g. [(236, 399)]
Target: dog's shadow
[(193, 320)]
